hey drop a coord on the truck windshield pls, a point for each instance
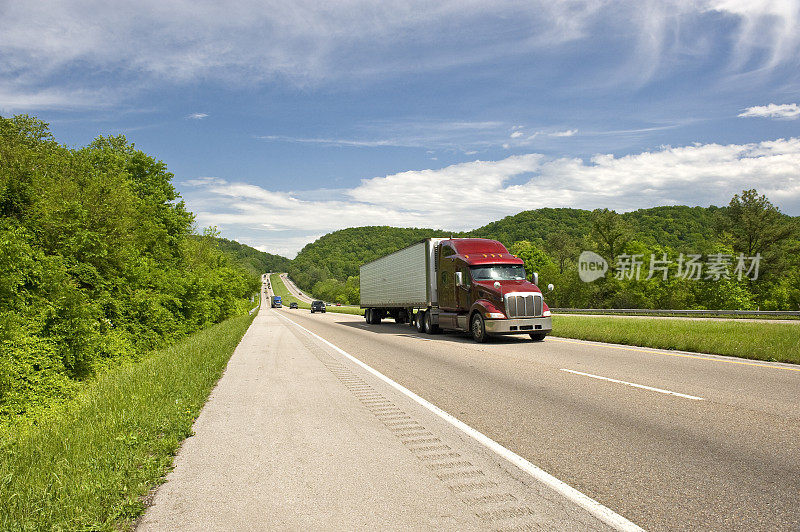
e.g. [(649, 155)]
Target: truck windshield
[(498, 272)]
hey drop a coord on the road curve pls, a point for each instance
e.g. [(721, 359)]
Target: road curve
[(296, 292), (669, 440)]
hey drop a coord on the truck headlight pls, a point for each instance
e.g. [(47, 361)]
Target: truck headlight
[(495, 315), (546, 314)]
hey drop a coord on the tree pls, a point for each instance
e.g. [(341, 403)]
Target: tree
[(610, 232), (563, 247), (754, 224)]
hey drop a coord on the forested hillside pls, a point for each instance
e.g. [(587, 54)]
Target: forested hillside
[(97, 264), (255, 261), (674, 226), (550, 241)]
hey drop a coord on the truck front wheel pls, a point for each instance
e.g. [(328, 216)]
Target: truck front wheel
[(477, 328), (538, 337), (430, 328)]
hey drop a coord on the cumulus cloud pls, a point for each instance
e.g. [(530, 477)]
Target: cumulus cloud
[(787, 111), (470, 194)]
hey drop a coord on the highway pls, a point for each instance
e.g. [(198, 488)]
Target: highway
[(296, 292), (668, 440)]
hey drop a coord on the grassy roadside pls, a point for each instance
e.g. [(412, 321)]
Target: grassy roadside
[(775, 342), (89, 465), (280, 290)]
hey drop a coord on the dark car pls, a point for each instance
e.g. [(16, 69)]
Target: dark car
[(317, 306), (292, 305)]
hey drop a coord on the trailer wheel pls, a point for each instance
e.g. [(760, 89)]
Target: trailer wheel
[(477, 328), (367, 315), (537, 337), (430, 328), (420, 321), (376, 316)]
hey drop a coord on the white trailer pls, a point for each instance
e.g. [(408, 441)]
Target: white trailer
[(405, 279)]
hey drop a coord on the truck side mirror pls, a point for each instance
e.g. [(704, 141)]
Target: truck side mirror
[(459, 278), (536, 278)]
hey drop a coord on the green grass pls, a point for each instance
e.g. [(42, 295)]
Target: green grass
[(709, 314), (280, 290), (776, 342), (89, 464)]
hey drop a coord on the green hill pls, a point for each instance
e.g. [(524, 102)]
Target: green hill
[(679, 227), (550, 240), (253, 260)]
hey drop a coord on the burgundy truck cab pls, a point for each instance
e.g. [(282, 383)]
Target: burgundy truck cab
[(483, 289)]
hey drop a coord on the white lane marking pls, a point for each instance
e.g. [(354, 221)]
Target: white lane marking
[(601, 512), (642, 386)]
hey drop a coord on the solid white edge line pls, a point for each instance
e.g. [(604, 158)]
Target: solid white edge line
[(659, 390), (601, 512)]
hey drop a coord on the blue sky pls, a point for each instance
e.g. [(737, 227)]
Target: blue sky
[(285, 121)]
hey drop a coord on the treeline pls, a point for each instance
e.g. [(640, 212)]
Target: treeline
[(254, 261), (712, 241), (98, 263)]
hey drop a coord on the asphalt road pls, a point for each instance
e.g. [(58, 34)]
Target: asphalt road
[(711, 444)]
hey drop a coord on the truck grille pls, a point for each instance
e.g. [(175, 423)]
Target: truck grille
[(527, 305)]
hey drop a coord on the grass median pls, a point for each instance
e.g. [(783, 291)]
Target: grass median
[(90, 464), (279, 288), (775, 342)]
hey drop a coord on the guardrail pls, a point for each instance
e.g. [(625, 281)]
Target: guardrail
[(685, 312)]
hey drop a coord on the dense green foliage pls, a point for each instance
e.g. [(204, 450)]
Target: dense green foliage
[(89, 465), (97, 264), (550, 240), (254, 261), (776, 342), (674, 226)]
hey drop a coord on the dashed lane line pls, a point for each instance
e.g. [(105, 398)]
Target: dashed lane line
[(642, 386)]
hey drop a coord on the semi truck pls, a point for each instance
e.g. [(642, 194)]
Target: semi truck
[(464, 284), (276, 302)]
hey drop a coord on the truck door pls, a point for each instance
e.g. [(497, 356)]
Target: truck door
[(447, 284), (464, 292)]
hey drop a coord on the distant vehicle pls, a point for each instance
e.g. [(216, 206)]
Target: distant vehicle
[(317, 306), (338, 304), (293, 304), (465, 284), (276, 302)]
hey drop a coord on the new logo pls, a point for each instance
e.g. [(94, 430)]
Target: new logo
[(591, 266)]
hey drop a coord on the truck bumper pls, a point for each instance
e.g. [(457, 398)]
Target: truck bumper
[(519, 325)]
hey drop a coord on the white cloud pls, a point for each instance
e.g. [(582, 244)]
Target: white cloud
[(197, 116), (516, 134), (468, 195), (567, 133), (16, 99), (411, 134), (308, 42), (787, 111)]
